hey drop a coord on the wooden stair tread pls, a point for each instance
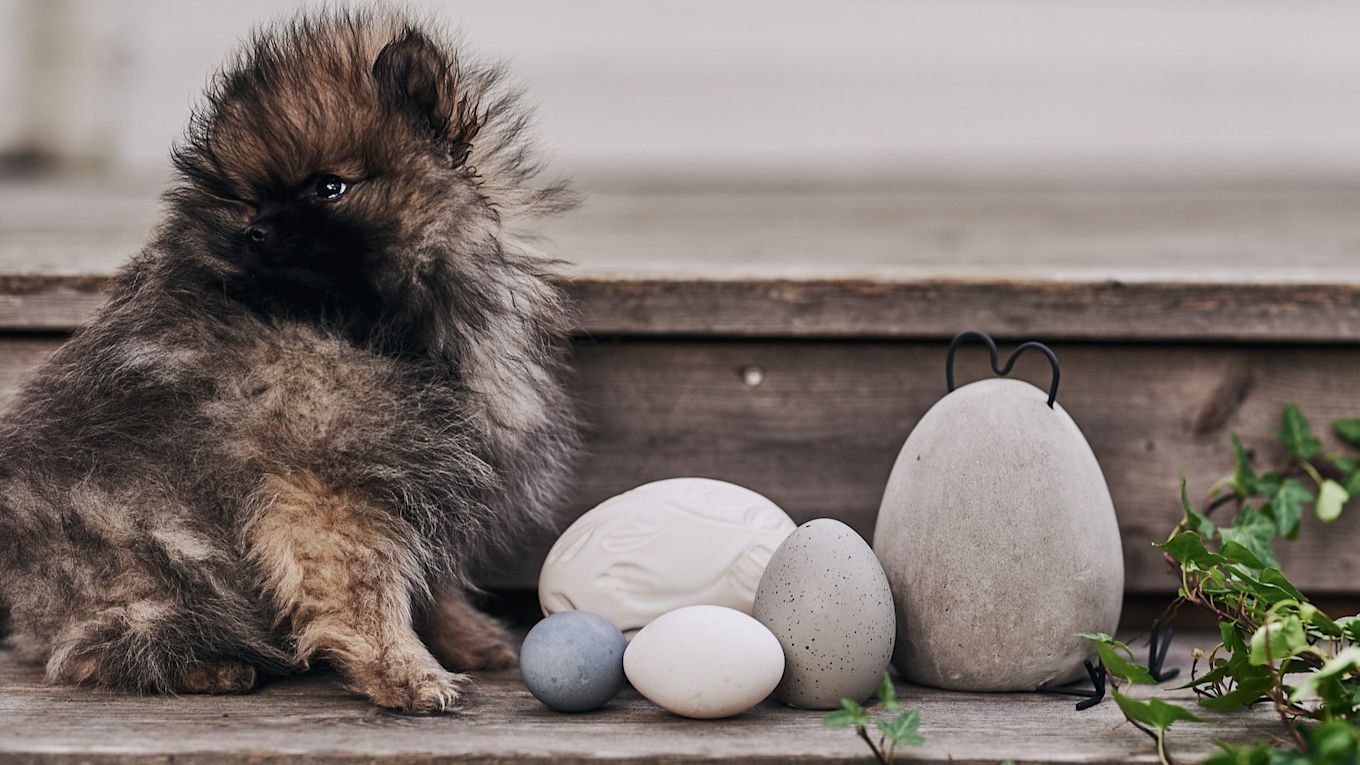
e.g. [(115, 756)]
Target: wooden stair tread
[(311, 719), (1141, 265)]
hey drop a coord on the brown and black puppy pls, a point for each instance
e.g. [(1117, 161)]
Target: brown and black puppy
[(327, 384)]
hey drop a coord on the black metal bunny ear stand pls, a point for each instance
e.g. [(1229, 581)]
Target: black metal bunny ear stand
[(1010, 360), (1156, 660), (1158, 641)]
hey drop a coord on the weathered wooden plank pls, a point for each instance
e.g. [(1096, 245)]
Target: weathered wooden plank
[(1108, 311), (48, 304), (311, 719), (821, 430)]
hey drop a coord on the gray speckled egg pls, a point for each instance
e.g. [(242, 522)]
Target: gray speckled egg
[(825, 597), (573, 661)]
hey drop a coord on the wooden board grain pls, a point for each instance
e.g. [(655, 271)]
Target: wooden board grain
[(310, 719), (1109, 311), (820, 431), (914, 309)]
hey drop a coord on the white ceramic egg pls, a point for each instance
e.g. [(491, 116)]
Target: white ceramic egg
[(825, 597), (662, 546), (999, 539), (704, 662)]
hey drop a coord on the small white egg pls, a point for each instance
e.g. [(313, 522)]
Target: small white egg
[(704, 662)]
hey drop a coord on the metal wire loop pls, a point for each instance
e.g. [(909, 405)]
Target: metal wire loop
[(1010, 361)]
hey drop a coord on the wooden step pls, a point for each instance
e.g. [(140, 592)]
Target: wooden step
[(788, 341), (311, 719)]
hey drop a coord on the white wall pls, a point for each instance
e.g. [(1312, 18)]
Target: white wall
[(1165, 91)]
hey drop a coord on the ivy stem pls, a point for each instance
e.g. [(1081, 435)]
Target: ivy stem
[(1161, 747), (1159, 736), (1311, 471), (878, 753), (1209, 505)]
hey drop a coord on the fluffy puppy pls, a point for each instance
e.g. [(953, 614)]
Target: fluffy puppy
[(327, 383)]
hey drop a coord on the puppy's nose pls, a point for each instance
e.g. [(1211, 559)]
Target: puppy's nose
[(259, 233)]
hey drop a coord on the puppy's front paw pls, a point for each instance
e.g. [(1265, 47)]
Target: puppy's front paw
[(417, 690)]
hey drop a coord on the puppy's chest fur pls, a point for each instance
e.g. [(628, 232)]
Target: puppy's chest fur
[(439, 443)]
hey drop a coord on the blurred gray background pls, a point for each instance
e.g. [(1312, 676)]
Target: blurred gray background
[(707, 92), (1211, 141)]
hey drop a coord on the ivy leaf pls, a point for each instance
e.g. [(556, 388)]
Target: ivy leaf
[(1286, 506), (1195, 520), (1254, 531), (902, 730), (1251, 685), (1331, 496), (1188, 547), (1153, 712), (1233, 639), (1348, 430), (1335, 742), (850, 714), (1345, 663), (1271, 589), (1244, 478), (1116, 664), (1238, 553), (1278, 640), (1297, 435), (1276, 578), (1311, 614), (1351, 625), (887, 694), (1268, 483)]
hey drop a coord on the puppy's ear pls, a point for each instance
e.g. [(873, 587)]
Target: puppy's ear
[(413, 76)]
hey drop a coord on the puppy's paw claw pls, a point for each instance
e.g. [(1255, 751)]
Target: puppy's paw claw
[(428, 692)]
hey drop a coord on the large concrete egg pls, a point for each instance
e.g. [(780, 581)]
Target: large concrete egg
[(999, 540)]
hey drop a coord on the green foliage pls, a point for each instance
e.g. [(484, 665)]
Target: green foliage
[(1154, 713), (1331, 496), (1348, 431), (899, 730), (1331, 743), (1297, 435), (1118, 660), (1275, 645), (850, 714)]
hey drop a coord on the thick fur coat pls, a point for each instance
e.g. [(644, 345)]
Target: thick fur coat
[(328, 382)]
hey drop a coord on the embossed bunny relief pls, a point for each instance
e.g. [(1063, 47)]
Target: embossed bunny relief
[(662, 546)]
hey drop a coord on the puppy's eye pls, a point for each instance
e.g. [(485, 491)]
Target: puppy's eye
[(329, 187)]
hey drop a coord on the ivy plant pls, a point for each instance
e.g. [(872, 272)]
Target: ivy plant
[(1275, 646), (889, 732)]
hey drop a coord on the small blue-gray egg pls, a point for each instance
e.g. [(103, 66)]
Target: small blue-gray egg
[(573, 661)]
